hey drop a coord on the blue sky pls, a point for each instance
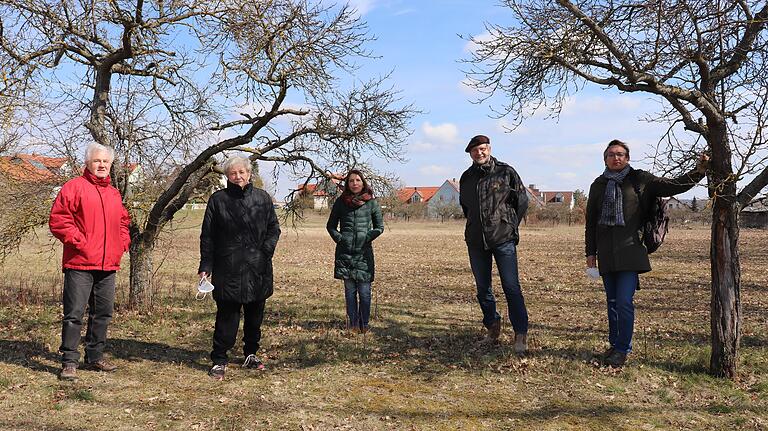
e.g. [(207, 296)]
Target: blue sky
[(418, 41)]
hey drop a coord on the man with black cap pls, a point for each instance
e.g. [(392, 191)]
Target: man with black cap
[(494, 200)]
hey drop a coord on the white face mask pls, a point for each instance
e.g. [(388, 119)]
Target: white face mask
[(203, 286), (593, 273)]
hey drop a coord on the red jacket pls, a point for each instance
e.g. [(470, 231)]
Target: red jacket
[(89, 218)]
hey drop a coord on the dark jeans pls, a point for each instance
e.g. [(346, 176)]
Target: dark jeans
[(225, 331), (619, 291), (96, 289), (506, 261), (358, 313)]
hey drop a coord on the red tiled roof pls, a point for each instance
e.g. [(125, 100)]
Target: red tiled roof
[(31, 167), (312, 188), (426, 193)]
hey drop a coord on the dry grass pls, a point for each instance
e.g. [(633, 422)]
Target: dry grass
[(421, 367)]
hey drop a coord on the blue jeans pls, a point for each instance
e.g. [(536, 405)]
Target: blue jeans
[(506, 261), (619, 290), (358, 313)]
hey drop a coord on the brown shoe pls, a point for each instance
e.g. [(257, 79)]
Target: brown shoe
[(68, 372), (521, 343), (102, 365), (494, 330), (616, 359)]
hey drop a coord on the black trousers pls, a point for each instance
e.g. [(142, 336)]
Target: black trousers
[(225, 331), (96, 289)]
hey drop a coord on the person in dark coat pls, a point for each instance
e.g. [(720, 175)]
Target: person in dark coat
[(494, 201), (355, 221), (614, 219), (238, 238)]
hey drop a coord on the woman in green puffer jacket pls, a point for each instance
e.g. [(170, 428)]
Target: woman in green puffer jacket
[(354, 223)]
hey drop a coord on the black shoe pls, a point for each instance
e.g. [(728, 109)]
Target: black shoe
[(217, 372), (253, 363), (616, 359), (608, 352)]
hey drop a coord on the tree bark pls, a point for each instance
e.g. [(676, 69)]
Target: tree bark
[(140, 294), (725, 305)]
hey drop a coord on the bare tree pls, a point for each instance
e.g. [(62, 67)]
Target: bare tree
[(171, 85), (704, 59)]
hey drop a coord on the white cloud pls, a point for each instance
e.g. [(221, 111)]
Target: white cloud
[(471, 46), (446, 133), (362, 6), (438, 137), (435, 170), (422, 147)]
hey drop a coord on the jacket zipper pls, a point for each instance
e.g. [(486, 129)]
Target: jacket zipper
[(480, 208), (104, 219)]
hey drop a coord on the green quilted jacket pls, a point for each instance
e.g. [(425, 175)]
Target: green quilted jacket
[(353, 230)]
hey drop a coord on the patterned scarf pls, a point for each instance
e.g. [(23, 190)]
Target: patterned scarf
[(612, 213), (357, 200)]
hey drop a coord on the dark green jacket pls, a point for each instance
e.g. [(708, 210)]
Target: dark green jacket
[(620, 248), (353, 230)]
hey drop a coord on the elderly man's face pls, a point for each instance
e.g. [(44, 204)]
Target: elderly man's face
[(99, 164), (239, 175), (480, 154)]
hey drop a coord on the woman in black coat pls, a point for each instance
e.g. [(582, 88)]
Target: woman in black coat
[(614, 219), (354, 223), (239, 235)]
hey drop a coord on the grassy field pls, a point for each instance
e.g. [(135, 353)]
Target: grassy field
[(421, 367)]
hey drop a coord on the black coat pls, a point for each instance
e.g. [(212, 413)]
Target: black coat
[(620, 248), (494, 201), (353, 230), (238, 238)]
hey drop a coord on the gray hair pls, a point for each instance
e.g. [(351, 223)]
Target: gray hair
[(95, 148), (234, 162)]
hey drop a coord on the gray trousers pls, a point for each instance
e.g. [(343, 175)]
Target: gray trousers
[(96, 289)]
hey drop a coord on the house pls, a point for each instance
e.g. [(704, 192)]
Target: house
[(545, 198), (34, 168), (411, 195), (323, 192), (445, 200), (755, 215), (674, 203)]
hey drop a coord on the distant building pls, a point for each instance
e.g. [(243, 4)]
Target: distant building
[(34, 168), (544, 198), (445, 195), (323, 192), (755, 215), (411, 195)]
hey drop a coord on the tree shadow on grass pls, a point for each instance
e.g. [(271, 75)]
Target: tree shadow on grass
[(424, 346), (27, 354), (135, 350)]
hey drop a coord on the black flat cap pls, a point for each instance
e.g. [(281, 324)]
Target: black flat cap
[(477, 140)]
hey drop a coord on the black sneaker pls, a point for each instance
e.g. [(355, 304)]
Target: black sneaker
[(217, 372), (253, 363), (616, 359)]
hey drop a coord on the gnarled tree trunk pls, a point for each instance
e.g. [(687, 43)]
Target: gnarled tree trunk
[(141, 274), (725, 305)]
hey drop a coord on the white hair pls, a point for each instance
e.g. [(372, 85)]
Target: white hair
[(95, 148), (234, 162)]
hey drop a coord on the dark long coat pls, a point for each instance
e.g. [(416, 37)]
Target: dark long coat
[(620, 248), (353, 230), (238, 238)]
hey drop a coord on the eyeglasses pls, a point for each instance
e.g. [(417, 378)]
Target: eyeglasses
[(617, 155)]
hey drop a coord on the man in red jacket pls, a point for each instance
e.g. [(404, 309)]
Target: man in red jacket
[(89, 218)]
